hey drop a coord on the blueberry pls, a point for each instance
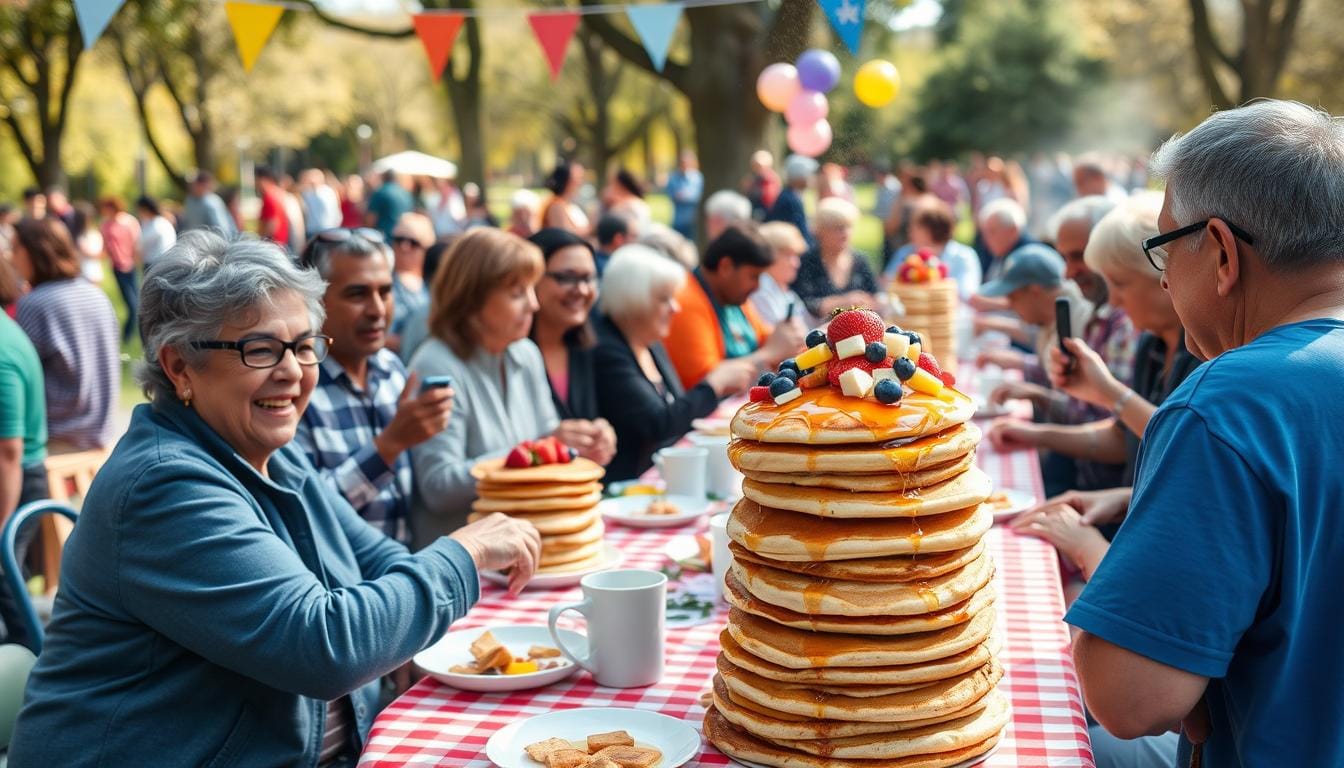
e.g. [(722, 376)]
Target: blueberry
[(894, 329), (876, 352), (913, 337), (887, 391), (765, 379), (815, 337), (791, 374), (789, 365), (905, 368), (781, 385), (573, 454)]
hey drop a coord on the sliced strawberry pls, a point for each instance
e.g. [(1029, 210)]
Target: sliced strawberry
[(930, 363), (759, 394), (836, 368), (948, 379), (546, 452), (518, 458), (566, 454), (856, 322)]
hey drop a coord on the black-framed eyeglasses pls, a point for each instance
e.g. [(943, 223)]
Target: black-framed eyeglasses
[(334, 237), (1157, 255), (573, 279), (268, 351), (403, 239)]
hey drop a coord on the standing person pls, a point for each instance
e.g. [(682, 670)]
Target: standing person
[(832, 183), (1217, 606), (352, 201), (74, 329), (562, 210), (762, 185), (478, 213), (203, 209), (58, 205), (914, 194), (388, 204), (34, 204), (88, 242), (624, 196), (411, 239), (121, 239), (298, 230), (156, 232), (788, 207), (523, 207), (321, 206), (446, 207), (272, 221), (685, 186)]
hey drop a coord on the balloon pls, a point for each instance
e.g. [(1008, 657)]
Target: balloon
[(777, 85), (818, 70), (807, 107), (810, 139), (877, 83)]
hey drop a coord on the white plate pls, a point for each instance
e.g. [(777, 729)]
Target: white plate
[(676, 739), (629, 510), (611, 557), (455, 648), (1019, 501), (987, 410)]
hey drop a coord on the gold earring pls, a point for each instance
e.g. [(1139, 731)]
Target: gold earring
[(186, 398)]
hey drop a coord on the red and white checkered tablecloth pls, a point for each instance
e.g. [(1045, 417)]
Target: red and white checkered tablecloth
[(433, 724)]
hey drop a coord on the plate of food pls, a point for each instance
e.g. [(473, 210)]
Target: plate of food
[(984, 409), (1009, 503), (560, 576), (653, 511), (509, 658), (607, 737)]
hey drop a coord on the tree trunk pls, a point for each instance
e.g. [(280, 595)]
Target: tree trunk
[(464, 96), (49, 172)]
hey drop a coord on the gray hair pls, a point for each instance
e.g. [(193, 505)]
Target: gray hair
[(1273, 168), (1116, 240), (631, 278), (729, 206), (318, 253), (1005, 212), (204, 282), (1090, 209), (672, 244)]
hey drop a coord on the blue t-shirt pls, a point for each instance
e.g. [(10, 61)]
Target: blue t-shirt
[(1229, 564), (388, 203)]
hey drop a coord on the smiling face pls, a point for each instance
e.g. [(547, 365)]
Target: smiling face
[(255, 410), (566, 304)]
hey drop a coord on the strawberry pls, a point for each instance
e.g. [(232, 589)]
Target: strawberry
[(759, 393), (948, 379), (547, 453), (930, 364), (856, 322), (837, 367), (518, 458)]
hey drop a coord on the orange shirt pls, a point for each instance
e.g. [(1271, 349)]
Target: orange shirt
[(695, 342)]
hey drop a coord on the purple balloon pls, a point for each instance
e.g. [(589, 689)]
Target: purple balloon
[(818, 70)]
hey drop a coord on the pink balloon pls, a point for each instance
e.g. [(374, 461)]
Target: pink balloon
[(807, 108), (777, 85), (810, 139)]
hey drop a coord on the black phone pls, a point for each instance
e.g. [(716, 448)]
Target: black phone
[(432, 382), (1064, 329)]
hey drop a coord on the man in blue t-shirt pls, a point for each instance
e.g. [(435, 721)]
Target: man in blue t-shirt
[(1217, 607), (387, 204)]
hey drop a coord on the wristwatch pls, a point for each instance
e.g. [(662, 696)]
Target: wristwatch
[(1121, 400)]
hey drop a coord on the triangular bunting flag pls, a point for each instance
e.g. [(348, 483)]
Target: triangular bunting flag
[(438, 31), (847, 18), (655, 25), (252, 25), (553, 31), (94, 16)]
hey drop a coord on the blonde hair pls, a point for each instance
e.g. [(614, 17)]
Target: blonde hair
[(781, 235), (1116, 240), (481, 262), (834, 212), (631, 278)]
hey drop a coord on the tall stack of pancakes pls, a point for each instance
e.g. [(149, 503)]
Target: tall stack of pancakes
[(861, 604), (559, 499), (931, 310)]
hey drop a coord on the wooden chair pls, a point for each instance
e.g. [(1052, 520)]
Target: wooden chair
[(68, 477)]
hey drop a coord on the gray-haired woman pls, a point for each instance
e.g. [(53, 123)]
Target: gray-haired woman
[(217, 599)]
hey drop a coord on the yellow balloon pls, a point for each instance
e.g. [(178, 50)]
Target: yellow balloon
[(877, 83)]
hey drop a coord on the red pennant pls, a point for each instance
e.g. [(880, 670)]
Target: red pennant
[(553, 31), (438, 31)]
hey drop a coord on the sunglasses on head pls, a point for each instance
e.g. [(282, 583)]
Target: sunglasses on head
[(404, 240), (331, 237)]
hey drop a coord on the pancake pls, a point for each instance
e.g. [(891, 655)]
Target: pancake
[(570, 555), (797, 537), (738, 744), (834, 597), (897, 674), (593, 532), (904, 455), (800, 649), (579, 470), (555, 504), (886, 482), (535, 490), (933, 700), (824, 416), (740, 598), (769, 724), (881, 570), (965, 490), (591, 561), (551, 523)]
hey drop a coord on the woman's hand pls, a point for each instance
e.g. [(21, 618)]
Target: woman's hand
[(1004, 358), (1089, 380), (500, 542), (1020, 390), (604, 448), (594, 440), (1096, 507), (731, 376), (1007, 435), (1063, 526)]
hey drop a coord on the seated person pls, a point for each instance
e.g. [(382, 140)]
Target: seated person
[(483, 301), (561, 328), (217, 599), (638, 391), (716, 321), (931, 225), (832, 276), (774, 300), (365, 415)]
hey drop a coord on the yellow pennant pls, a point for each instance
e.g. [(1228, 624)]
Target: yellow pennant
[(252, 25)]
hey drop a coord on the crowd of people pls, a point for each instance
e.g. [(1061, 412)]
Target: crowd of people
[(319, 393)]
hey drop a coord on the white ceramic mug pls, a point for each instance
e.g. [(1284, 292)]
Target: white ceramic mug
[(723, 481), (683, 470), (720, 557), (626, 612)]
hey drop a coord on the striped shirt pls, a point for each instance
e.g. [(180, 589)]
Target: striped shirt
[(74, 329), (337, 433)]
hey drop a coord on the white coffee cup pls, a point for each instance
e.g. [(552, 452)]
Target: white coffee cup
[(723, 481), (720, 557), (626, 612), (683, 470)]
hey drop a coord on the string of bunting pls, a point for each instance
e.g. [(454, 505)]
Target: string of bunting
[(253, 21)]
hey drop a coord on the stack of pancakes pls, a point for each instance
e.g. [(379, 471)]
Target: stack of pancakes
[(931, 311), (559, 499), (860, 596)]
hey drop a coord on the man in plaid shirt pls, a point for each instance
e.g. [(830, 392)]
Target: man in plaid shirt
[(365, 414)]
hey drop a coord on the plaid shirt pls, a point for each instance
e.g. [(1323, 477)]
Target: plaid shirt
[(337, 433)]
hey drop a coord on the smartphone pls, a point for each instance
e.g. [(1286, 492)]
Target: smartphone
[(1064, 330), (433, 382)]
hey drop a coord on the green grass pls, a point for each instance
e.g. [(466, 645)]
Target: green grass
[(131, 353)]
